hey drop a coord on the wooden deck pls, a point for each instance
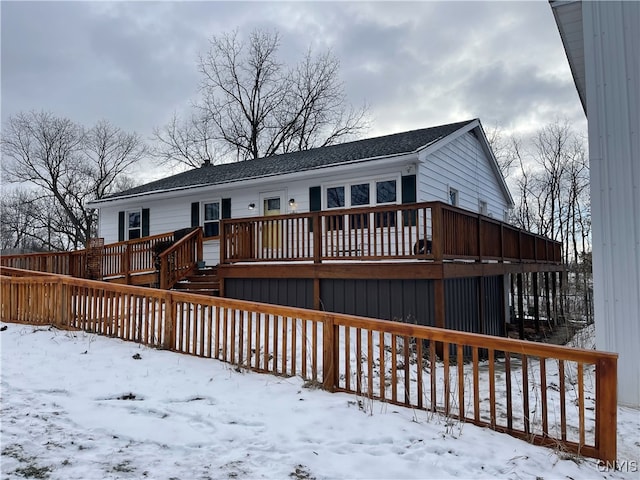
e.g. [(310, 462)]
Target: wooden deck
[(423, 240)]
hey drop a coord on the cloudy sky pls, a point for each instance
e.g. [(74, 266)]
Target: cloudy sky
[(415, 64)]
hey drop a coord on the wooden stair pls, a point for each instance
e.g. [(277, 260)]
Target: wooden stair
[(203, 281)]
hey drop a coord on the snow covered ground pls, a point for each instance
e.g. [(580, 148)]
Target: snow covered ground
[(81, 406)]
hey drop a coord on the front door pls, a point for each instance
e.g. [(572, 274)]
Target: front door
[(271, 231)]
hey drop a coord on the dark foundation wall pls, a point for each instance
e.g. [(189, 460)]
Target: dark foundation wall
[(291, 292), (493, 305), (465, 300), (410, 300)]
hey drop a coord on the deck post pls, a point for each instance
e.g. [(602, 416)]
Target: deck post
[(223, 241), (62, 303), (317, 238), (328, 354), (553, 299), (127, 262), (170, 312), (480, 242), (606, 408), (437, 232), (199, 253), (536, 302), (164, 272), (520, 306)]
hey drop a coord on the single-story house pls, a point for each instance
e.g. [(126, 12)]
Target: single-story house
[(391, 195), (451, 163)]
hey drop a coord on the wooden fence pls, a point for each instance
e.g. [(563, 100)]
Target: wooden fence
[(533, 391)]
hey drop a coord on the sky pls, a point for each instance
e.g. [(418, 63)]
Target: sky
[(76, 405), (415, 64)]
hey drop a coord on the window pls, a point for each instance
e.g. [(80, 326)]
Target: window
[(211, 224), (359, 197), (134, 224), (453, 197), (335, 197), (482, 207), (359, 194), (386, 192), (272, 205)]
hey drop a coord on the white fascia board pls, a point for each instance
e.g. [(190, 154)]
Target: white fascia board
[(399, 159), (438, 144), (494, 164)]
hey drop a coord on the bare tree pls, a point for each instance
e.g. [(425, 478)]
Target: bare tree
[(187, 142), (503, 149), (553, 200), (17, 220), (254, 106), (68, 166)]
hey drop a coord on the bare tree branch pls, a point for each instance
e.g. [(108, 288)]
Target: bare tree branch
[(253, 106), (69, 166)]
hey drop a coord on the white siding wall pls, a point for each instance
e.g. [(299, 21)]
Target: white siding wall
[(463, 165), (612, 61), (169, 214)]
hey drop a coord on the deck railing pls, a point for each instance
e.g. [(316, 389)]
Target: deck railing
[(432, 230), (122, 260), (62, 263), (132, 257), (547, 394), (180, 259)]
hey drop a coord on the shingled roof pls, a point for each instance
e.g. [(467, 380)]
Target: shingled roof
[(396, 144)]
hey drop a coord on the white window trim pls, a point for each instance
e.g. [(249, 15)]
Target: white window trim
[(372, 191), (202, 214), (127, 228)]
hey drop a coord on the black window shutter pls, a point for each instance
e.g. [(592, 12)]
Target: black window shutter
[(409, 189), (226, 208), (315, 202), (409, 196), (315, 199), (121, 226), (195, 214), (145, 222)]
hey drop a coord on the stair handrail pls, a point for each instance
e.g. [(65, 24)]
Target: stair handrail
[(185, 254)]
